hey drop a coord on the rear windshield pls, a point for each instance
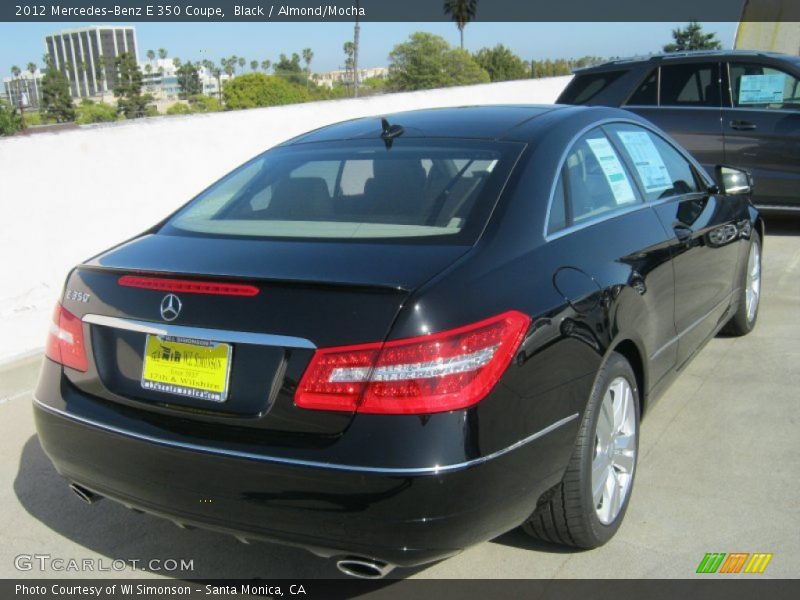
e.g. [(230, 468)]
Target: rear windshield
[(417, 189), (585, 87)]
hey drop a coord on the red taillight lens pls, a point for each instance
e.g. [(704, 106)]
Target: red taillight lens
[(434, 373), (65, 343), (188, 286)]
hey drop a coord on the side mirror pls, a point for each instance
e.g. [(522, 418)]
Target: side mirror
[(733, 181)]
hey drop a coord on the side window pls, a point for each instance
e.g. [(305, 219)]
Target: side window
[(647, 93), (593, 182), (759, 86), (585, 87), (690, 84), (660, 169)]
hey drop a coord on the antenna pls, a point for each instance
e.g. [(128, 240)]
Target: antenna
[(389, 132)]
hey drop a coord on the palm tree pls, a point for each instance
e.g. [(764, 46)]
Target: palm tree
[(217, 72), (176, 62), (162, 53), (265, 65), (229, 66), (32, 69), (462, 12), (308, 56), (151, 55), (254, 65), (16, 71), (242, 62), (349, 49)]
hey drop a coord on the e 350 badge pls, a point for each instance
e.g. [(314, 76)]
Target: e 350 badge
[(76, 296)]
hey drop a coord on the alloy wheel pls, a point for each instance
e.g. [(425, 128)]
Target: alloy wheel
[(615, 450)]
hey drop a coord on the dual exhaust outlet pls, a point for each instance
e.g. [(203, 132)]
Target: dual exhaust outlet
[(354, 566)]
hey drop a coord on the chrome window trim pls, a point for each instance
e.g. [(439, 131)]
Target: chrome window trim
[(433, 470), (617, 213), (200, 333), (671, 107)]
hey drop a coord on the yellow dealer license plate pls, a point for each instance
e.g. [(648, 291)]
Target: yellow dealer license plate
[(187, 367)]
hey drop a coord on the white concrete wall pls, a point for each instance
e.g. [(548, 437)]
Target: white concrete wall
[(67, 196)]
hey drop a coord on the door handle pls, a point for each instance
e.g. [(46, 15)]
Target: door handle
[(742, 125), (683, 233)]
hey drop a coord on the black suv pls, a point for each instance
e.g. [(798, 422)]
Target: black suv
[(740, 108)]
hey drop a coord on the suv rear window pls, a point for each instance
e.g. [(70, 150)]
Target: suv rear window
[(433, 190), (585, 87)]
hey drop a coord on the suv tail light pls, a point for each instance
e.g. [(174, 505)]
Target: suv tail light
[(65, 343), (427, 374)]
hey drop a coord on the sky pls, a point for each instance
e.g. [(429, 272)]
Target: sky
[(21, 43)]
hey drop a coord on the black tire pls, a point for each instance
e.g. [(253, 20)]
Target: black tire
[(742, 323), (566, 514)]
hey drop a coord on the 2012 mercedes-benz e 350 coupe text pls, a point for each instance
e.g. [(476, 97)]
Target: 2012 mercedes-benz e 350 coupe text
[(389, 339)]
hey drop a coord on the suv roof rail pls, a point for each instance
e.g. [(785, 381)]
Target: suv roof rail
[(671, 55)]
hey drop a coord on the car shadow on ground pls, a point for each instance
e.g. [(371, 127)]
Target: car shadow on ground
[(113, 531)]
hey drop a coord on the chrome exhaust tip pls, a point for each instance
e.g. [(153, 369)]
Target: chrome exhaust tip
[(85, 495), (364, 568)]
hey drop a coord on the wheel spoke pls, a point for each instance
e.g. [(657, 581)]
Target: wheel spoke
[(614, 496), (599, 483), (605, 422), (623, 460), (620, 404)]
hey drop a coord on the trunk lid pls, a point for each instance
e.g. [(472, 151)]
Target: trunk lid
[(310, 294)]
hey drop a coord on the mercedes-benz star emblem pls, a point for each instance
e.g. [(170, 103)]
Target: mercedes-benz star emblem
[(170, 307)]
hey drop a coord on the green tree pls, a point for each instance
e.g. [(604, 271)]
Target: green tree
[(257, 89), (176, 62), (10, 121), (254, 65), (265, 65), (91, 112), (692, 38), (16, 71), (427, 61), (501, 63), (128, 87), (188, 80), (290, 69), (461, 12), (179, 108), (242, 62), (162, 53), (151, 55), (202, 103), (56, 99), (308, 56)]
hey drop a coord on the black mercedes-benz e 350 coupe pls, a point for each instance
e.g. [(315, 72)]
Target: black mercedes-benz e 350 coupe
[(389, 339)]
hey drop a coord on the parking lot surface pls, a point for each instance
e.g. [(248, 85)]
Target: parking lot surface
[(718, 471)]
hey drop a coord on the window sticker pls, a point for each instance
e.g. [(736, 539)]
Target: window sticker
[(612, 169), (647, 160), (762, 89)]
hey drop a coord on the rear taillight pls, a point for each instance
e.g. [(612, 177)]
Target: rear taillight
[(65, 343), (433, 373)]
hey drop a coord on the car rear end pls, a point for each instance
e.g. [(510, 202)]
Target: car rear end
[(235, 367)]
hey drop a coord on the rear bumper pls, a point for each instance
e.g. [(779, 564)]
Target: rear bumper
[(402, 517)]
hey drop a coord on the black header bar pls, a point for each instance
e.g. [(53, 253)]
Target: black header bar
[(103, 11)]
